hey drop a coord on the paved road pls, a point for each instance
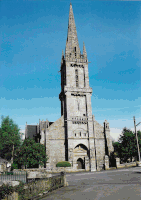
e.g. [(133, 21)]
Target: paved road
[(123, 184)]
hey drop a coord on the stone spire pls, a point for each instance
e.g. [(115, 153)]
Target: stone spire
[(72, 46), (84, 51), (62, 58)]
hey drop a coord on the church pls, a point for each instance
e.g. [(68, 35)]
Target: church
[(76, 136)]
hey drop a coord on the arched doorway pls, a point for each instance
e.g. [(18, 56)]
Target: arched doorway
[(80, 164), (80, 157)]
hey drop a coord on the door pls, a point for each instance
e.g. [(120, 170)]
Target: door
[(80, 163)]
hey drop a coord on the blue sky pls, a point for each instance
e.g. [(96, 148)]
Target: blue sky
[(33, 35)]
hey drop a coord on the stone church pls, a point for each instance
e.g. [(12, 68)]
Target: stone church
[(76, 136)]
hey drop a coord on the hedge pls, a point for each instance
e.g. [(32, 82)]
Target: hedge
[(63, 164)]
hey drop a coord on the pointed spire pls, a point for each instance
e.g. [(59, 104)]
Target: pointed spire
[(84, 51), (72, 46)]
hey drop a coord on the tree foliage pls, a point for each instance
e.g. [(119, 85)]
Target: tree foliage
[(10, 137), (126, 147), (31, 154)]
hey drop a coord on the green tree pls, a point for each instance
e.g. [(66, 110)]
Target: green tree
[(139, 138), (117, 149), (31, 154), (126, 147), (10, 137)]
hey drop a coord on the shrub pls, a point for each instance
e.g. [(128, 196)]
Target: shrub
[(63, 164), (6, 190), (9, 173), (14, 166)]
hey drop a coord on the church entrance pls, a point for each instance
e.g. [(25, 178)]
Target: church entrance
[(80, 164), (80, 156)]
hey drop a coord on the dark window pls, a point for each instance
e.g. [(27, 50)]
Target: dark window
[(78, 105), (76, 77), (75, 51)]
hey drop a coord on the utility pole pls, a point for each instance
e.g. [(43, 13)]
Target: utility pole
[(137, 137)]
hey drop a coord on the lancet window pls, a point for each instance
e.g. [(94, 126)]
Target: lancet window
[(76, 78)]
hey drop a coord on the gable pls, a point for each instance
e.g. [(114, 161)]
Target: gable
[(56, 130), (98, 129)]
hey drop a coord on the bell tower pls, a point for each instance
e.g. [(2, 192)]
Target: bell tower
[(75, 96)]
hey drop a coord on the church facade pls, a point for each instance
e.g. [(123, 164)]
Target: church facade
[(76, 136)]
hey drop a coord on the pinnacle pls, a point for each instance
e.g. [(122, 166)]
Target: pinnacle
[(84, 51)]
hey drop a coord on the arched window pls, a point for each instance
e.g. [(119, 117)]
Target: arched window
[(76, 77)]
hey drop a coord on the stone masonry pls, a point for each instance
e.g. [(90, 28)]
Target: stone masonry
[(75, 137)]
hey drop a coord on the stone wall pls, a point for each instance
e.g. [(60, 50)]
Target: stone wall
[(124, 165), (100, 145), (39, 188), (67, 169), (55, 142), (43, 186), (46, 173)]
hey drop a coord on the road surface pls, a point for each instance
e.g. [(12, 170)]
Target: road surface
[(123, 184)]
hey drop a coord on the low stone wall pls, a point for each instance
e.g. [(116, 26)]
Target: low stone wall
[(44, 172), (42, 186), (66, 169), (132, 164), (39, 187), (124, 165)]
